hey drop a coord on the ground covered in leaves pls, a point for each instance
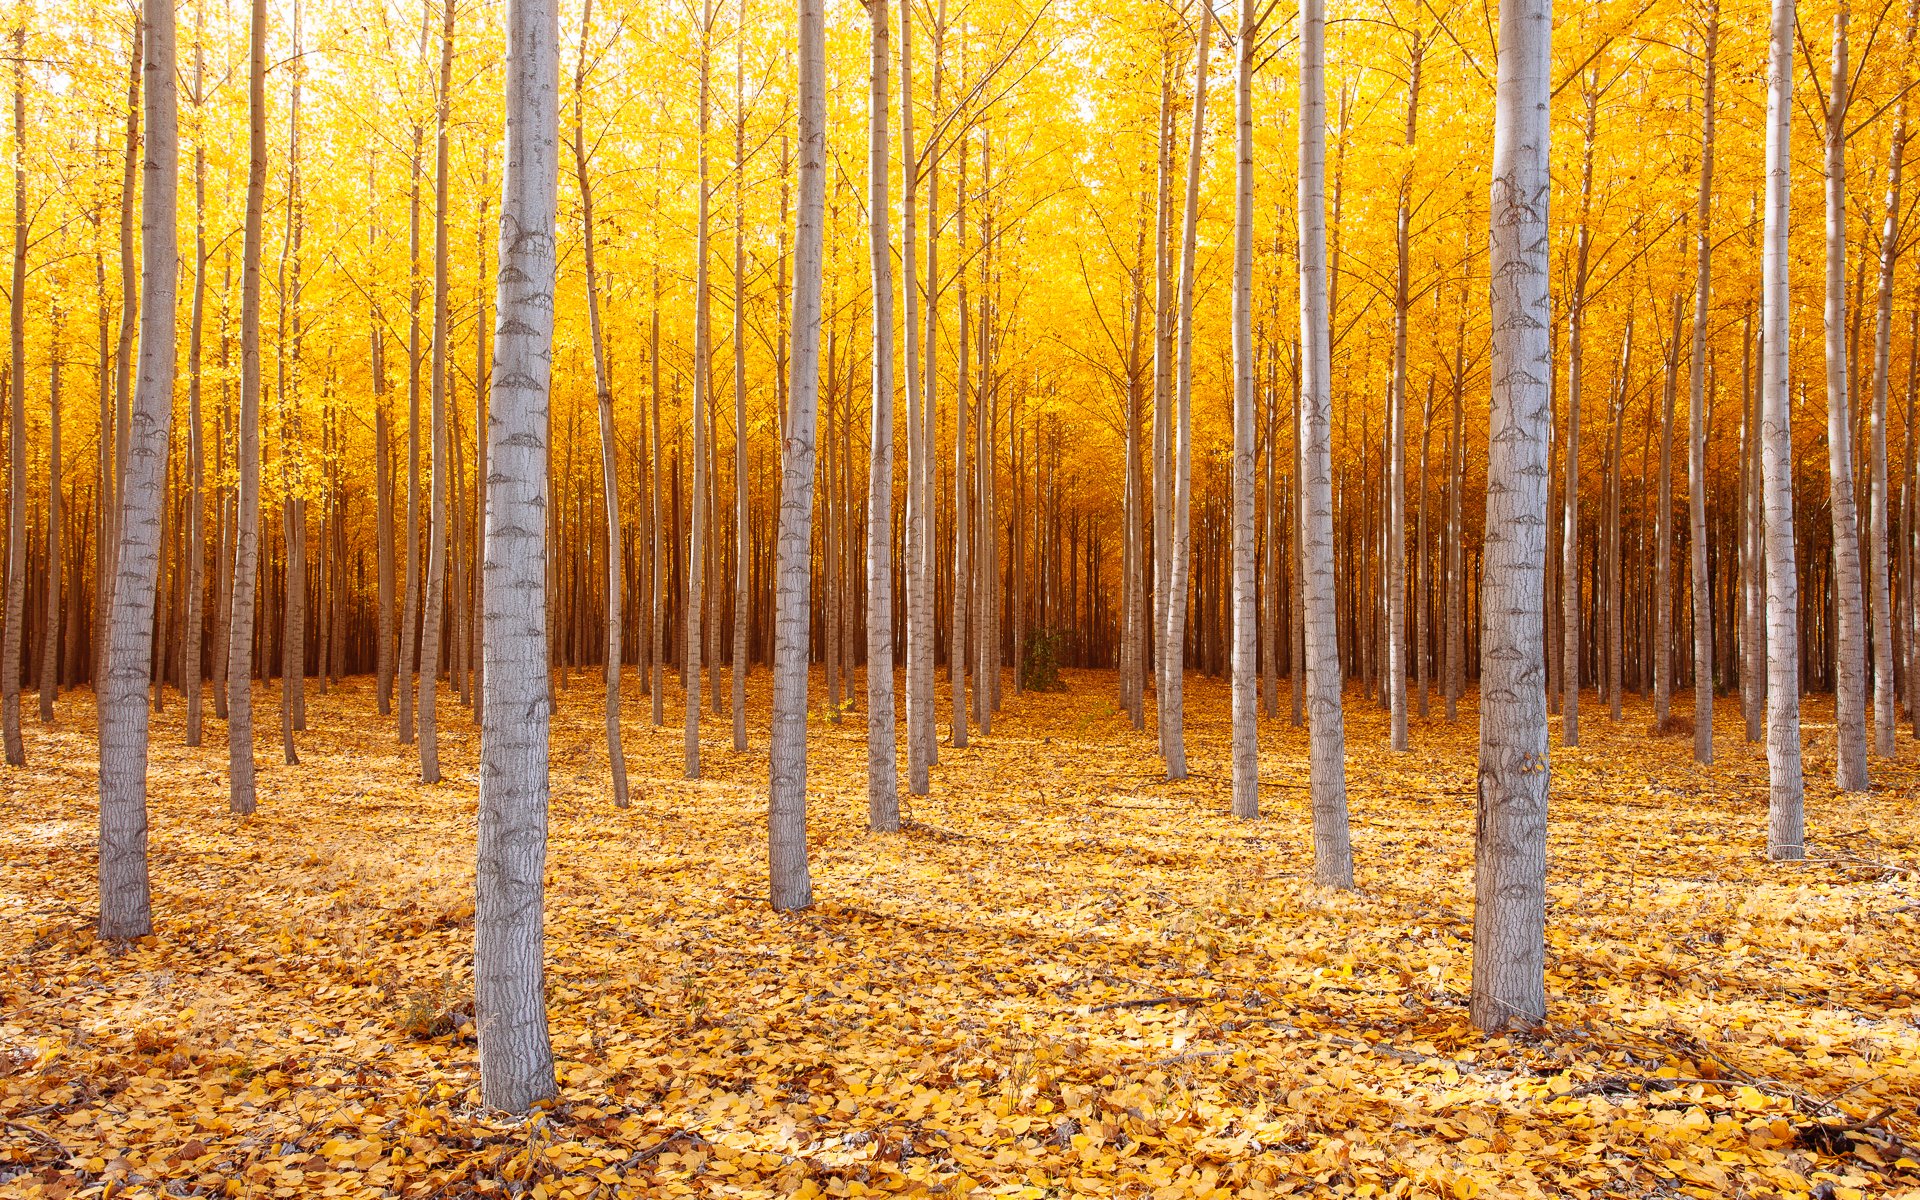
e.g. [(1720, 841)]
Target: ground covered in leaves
[(1069, 977)]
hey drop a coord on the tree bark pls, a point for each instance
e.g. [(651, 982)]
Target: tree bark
[(430, 637), (246, 557), (1510, 834), (1180, 556), (1246, 700), (1885, 714), (603, 395), (1786, 810), (1697, 409), (1849, 646), (741, 597), (516, 1058), (789, 885), (14, 639), (883, 784), (125, 907), (702, 385), (1326, 724)]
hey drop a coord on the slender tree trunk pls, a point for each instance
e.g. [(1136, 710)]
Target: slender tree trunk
[(1570, 600), (1326, 724), (1697, 410), (1180, 561), (410, 604), (702, 385), (1246, 700), (1850, 692), (1396, 499), (196, 450), (430, 636), (1662, 648), (603, 394), (1162, 401), (1884, 657), (1510, 842), (883, 795), (918, 555), (125, 907), (516, 1058), (383, 474), (50, 675), (17, 535), (789, 884), (1786, 812), (742, 598), (246, 558)]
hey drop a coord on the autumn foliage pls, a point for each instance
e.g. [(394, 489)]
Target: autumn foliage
[(1066, 977)]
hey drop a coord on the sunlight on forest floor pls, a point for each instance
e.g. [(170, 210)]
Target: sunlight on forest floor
[(1069, 977)]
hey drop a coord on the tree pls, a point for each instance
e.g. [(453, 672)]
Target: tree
[(246, 560), (1326, 725), (702, 404), (1786, 812), (1510, 842), (436, 595), (125, 906), (516, 1057), (883, 772), (1174, 641), (603, 397), (1697, 410), (17, 536), (1884, 707), (1850, 633), (741, 595), (1246, 716), (919, 612), (789, 885)]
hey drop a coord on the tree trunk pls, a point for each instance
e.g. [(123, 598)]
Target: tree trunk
[(1510, 832), (883, 794), (1662, 648), (14, 639), (1396, 499), (430, 638), (789, 885), (1786, 811), (246, 557), (702, 385), (125, 907), (1326, 724), (516, 1059), (1246, 700), (918, 553), (1850, 651), (1180, 557), (50, 675), (1697, 411), (742, 599), (1885, 712), (603, 394)]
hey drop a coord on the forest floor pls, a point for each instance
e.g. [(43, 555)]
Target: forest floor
[(1068, 977)]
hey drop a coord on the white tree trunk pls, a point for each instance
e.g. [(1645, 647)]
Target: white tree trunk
[(1174, 640), (1850, 633), (918, 554), (603, 395), (790, 887), (1884, 707), (430, 640), (741, 548), (516, 1059), (1510, 841), (1326, 723), (1786, 802), (1246, 700), (883, 771), (246, 554), (702, 386), (125, 908), (1697, 411)]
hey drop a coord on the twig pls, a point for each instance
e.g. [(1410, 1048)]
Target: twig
[(1149, 1002)]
